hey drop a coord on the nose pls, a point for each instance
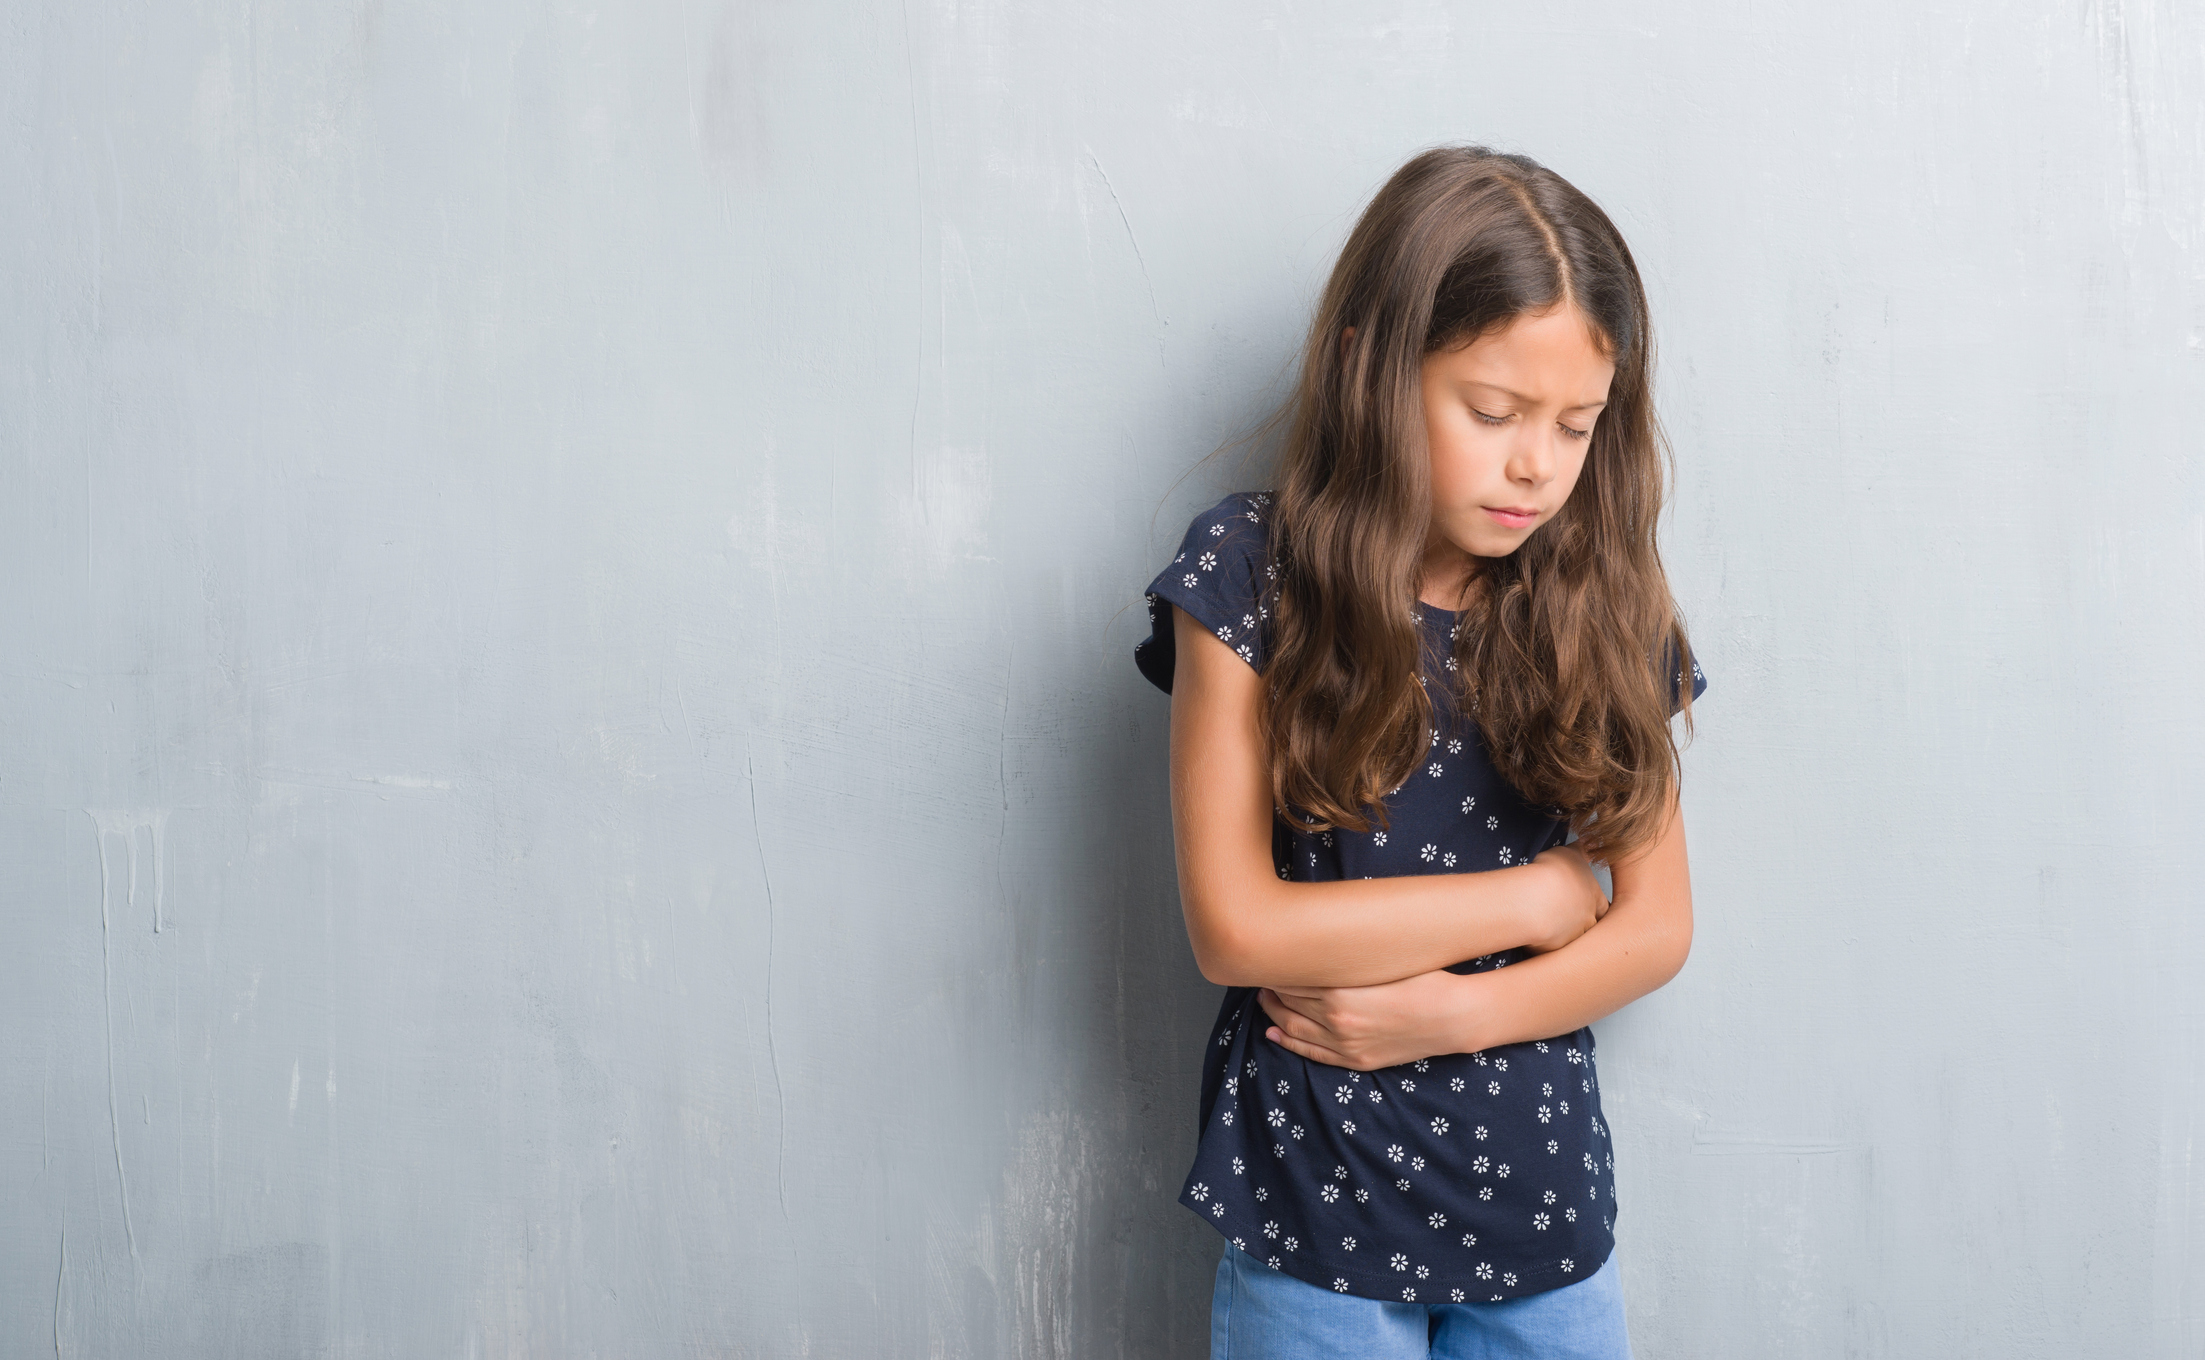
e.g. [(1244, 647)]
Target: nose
[(1531, 460)]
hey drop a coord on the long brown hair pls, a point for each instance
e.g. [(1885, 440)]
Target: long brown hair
[(1562, 646)]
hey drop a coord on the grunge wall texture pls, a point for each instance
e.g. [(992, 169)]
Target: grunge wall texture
[(572, 781)]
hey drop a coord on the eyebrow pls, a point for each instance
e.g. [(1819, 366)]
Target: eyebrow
[(1520, 397)]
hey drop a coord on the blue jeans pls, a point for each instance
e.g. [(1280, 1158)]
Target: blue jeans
[(1257, 1313)]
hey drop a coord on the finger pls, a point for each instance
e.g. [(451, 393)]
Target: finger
[(1313, 1052), (1277, 1004)]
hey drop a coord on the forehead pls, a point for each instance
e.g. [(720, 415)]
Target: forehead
[(1555, 356)]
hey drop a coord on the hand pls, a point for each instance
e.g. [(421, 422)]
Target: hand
[(1364, 1028), (1571, 907)]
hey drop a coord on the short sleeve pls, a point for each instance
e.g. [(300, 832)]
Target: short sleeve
[(1221, 578), (1676, 680)]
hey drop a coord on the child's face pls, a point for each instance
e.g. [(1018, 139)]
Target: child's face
[(1509, 418)]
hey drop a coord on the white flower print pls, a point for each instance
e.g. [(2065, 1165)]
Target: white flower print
[(1339, 1173), (1429, 853), (1501, 1171), (1376, 1095), (1282, 1088), (1190, 580), (1589, 1162), (1564, 1107), (1379, 837), (1241, 1242), (1432, 769), (1329, 1193), (1454, 1083), (1227, 1117), (1553, 1146), (1439, 1126), (1424, 1272), (1469, 1239), (1217, 531), (1271, 1229), (1249, 1067), (1217, 1209), (1505, 853), (1575, 1056), (1508, 1277), (1408, 1295), (1547, 1198), (1273, 1263), (1246, 653), (1447, 860), (1500, 1064), (1416, 1164), (1422, 1064), (1454, 1295), (1393, 1152), (1479, 1058), (1362, 1197), (1247, 620), (1347, 1126), (1225, 635), (1541, 1045), (1437, 1220), (1540, 1221), (1485, 1271), (1339, 1286), (1570, 1214), (1480, 1164), (1297, 1132), (1469, 803), (1344, 1094), (1485, 1192), (1402, 1184), (1492, 1088), (1478, 1133), (1292, 1244), (1492, 823), (1199, 1191), (1347, 1244), (1262, 1194), (1237, 1167), (1232, 1086), (1278, 1149), (1207, 561), (1276, 1119), (1546, 1115), (1568, 1265), (1408, 1083), (1546, 1088), (1399, 1262), (1454, 747)]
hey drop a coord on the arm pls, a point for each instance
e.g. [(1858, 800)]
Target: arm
[(1635, 948), (1248, 927)]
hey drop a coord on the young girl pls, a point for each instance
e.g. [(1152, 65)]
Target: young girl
[(1399, 683)]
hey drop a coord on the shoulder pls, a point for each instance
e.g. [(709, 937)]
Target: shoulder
[(1221, 577)]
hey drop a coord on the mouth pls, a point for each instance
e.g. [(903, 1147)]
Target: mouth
[(1511, 516)]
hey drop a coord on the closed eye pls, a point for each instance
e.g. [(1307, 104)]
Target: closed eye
[(1570, 430)]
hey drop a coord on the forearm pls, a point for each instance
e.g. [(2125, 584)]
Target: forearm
[(1635, 949), (1360, 932)]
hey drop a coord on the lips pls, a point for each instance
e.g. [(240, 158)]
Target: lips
[(1513, 517)]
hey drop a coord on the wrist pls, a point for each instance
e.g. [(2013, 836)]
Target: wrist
[(1471, 1015)]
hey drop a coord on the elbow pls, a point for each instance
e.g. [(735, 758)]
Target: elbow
[(1673, 947), (1222, 953), (1221, 962)]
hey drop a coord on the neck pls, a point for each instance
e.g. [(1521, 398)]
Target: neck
[(1448, 575)]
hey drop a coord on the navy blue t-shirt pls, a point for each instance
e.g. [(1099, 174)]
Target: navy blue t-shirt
[(1459, 1177)]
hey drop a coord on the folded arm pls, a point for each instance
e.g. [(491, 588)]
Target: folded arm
[(1638, 946), (1250, 928)]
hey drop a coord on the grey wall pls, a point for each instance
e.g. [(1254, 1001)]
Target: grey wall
[(571, 778)]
